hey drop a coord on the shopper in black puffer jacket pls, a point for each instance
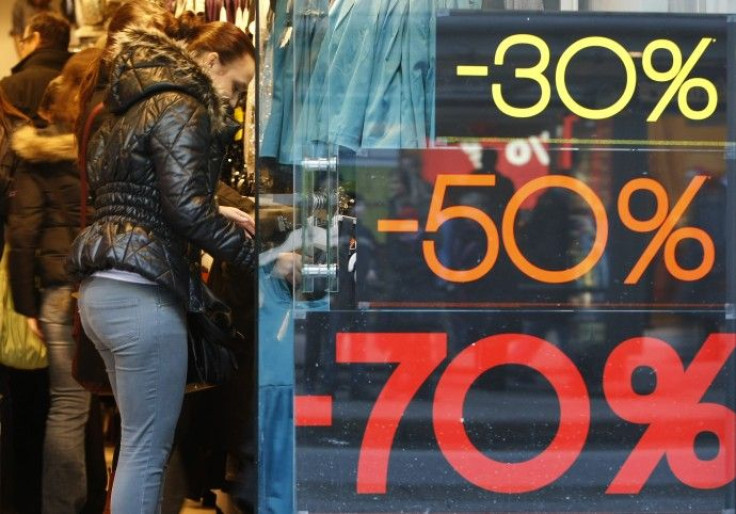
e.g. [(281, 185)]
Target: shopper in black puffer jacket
[(44, 216), (153, 167)]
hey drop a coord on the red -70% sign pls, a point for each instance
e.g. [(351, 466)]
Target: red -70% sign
[(664, 222), (673, 411)]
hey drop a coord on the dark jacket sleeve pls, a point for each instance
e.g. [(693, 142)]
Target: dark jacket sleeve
[(180, 148), (25, 222)]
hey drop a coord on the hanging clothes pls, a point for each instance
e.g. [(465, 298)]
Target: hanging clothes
[(389, 117), (276, 112), (354, 74), (295, 43), (212, 9), (276, 391), (276, 394), (336, 100)]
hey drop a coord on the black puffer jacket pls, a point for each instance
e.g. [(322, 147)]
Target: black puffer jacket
[(44, 213), (153, 167), (8, 164)]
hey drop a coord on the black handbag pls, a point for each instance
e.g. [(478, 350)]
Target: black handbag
[(212, 340), (88, 368)]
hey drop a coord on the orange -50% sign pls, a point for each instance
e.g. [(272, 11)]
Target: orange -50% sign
[(663, 223)]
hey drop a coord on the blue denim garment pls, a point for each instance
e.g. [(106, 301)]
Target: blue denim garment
[(293, 60), (64, 466), (280, 96), (276, 392), (400, 112), (336, 102), (388, 116), (275, 396), (373, 84), (361, 78), (323, 90)]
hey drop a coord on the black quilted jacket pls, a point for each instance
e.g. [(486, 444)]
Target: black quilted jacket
[(44, 213), (153, 167)]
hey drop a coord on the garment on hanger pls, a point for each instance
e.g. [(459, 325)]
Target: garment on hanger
[(374, 79), (225, 10), (336, 101), (293, 45), (369, 83), (275, 102), (276, 388), (212, 9)]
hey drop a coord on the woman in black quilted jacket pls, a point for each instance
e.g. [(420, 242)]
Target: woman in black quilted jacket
[(153, 167)]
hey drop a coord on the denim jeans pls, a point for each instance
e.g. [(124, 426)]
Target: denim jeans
[(140, 331), (64, 469)]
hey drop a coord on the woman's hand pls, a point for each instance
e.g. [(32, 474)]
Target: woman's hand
[(289, 267), (240, 218)]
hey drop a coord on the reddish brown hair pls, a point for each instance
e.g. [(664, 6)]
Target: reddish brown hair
[(61, 100), (146, 13), (225, 39)]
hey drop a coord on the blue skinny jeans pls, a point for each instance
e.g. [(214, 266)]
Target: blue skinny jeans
[(140, 331)]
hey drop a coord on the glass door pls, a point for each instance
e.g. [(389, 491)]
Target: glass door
[(496, 268)]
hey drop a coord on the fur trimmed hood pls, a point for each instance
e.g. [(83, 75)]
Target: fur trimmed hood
[(44, 145), (147, 62)]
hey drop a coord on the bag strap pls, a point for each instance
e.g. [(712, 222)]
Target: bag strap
[(83, 184)]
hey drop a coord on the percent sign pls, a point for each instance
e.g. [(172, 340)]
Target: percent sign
[(664, 223), (678, 74), (673, 411)]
